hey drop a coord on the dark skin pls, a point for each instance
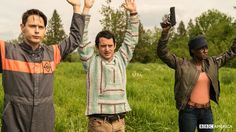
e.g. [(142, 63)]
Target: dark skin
[(198, 54)]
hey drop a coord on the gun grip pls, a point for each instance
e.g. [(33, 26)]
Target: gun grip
[(172, 16)]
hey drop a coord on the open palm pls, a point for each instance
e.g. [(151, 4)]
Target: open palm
[(74, 2), (130, 5), (88, 3)]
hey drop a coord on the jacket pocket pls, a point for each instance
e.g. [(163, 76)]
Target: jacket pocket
[(113, 89), (113, 82), (7, 115), (112, 106), (6, 107)]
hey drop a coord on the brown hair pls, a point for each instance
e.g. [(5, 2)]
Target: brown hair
[(33, 12)]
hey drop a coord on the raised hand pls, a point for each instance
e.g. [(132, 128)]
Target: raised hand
[(75, 4), (87, 5), (130, 5)]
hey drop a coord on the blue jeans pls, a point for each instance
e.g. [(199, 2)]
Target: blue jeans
[(190, 118)]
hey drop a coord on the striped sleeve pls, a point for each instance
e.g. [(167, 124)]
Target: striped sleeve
[(130, 40), (86, 48)]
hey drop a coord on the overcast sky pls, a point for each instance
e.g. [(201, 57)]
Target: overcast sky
[(150, 11)]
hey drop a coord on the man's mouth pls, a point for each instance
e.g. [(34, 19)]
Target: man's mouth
[(36, 37)]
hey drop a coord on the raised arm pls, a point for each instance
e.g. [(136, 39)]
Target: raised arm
[(76, 5), (87, 5), (163, 52), (131, 35), (75, 37), (130, 5), (86, 48), (222, 59)]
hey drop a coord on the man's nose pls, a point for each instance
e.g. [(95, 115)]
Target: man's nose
[(205, 49), (36, 29), (107, 47)]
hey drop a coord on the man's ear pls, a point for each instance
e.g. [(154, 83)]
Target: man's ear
[(115, 46), (193, 51), (22, 27), (97, 46)]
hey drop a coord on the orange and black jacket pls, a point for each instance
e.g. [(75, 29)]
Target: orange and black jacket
[(27, 79)]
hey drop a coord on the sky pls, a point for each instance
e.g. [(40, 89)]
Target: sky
[(150, 12)]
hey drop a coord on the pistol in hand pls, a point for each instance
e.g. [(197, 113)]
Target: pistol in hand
[(169, 20)]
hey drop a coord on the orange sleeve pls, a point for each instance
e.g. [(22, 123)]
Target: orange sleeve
[(57, 54)]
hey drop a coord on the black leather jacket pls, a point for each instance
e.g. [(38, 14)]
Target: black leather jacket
[(186, 73)]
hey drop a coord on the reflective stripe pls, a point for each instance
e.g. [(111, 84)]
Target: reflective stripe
[(57, 54), (28, 67), (2, 46)]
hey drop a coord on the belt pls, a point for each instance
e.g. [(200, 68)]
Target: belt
[(109, 117), (196, 105)]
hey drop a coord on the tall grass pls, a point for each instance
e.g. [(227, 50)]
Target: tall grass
[(150, 94)]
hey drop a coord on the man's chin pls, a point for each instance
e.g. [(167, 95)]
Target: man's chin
[(205, 57), (107, 57)]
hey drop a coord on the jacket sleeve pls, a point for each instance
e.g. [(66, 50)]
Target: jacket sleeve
[(1, 43), (75, 37), (223, 58), (164, 54), (130, 40), (86, 48)]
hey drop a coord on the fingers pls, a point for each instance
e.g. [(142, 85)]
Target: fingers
[(89, 3), (128, 1), (92, 2), (74, 2), (124, 5)]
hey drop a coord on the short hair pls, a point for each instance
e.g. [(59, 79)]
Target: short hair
[(197, 42), (105, 34), (34, 12), (191, 54)]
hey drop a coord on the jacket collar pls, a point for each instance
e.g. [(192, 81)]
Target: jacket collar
[(29, 49)]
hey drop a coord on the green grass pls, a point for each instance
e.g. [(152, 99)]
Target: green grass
[(150, 94)]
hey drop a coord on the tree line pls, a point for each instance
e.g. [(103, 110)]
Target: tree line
[(218, 28)]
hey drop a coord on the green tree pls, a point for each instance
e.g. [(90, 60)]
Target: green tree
[(145, 50), (55, 32), (114, 20), (218, 28), (210, 19), (181, 29), (193, 30)]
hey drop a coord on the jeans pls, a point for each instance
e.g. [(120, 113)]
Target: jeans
[(190, 118), (99, 125)]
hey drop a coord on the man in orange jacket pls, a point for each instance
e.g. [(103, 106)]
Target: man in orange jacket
[(28, 72)]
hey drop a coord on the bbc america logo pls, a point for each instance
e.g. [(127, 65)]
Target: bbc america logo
[(212, 126), (206, 126)]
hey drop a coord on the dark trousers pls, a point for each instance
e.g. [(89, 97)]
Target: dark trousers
[(190, 118)]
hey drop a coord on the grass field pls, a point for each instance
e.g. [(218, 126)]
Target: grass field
[(150, 95)]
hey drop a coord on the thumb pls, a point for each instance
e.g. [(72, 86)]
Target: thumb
[(124, 5)]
